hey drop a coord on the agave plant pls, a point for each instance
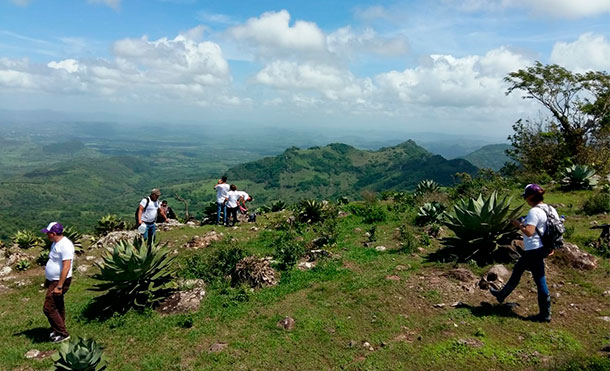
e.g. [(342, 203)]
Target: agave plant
[(80, 354), (109, 223), (427, 186), (311, 211), (134, 276), (479, 224), (430, 213), (23, 265), (210, 212), (278, 205), (43, 258), (27, 239), (343, 200), (262, 209), (578, 177)]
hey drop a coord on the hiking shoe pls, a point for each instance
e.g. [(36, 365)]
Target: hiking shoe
[(539, 318), (52, 334), (60, 338)]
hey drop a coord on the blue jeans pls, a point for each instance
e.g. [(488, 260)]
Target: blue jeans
[(221, 207), (149, 235), (533, 261)]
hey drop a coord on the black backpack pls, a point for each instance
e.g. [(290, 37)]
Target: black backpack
[(552, 238), (138, 209)]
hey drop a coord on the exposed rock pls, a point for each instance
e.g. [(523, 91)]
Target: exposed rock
[(306, 265), (342, 214), (218, 347), (38, 354), (286, 323), (315, 254), (439, 305), (319, 241), (575, 257), (255, 272), (15, 256), (392, 278), (169, 225), (113, 238), (497, 273), (461, 274), (5, 270), (83, 268), (380, 248), (470, 342), (189, 284), (182, 301), (198, 242), (22, 283), (605, 318), (90, 258)]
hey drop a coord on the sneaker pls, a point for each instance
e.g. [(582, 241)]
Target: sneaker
[(60, 338), (52, 334)]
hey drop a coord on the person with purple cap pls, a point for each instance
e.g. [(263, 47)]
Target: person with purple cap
[(533, 226), (58, 274)]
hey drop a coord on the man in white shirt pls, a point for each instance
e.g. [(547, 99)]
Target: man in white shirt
[(147, 215), (232, 202), (58, 274), (222, 188), (245, 197)]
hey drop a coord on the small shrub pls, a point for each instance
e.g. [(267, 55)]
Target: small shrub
[(288, 251), (369, 197), (371, 234), (569, 232), (427, 186), (80, 354), (185, 321), (342, 200), (215, 267), (109, 223), (278, 206), (597, 203), (23, 265), (374, 214), (425, 239), (408, 242), (311, 211), (430, 213), (27, 239)]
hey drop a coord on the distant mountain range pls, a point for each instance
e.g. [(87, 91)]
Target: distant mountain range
[(342, 170), (489, 157)]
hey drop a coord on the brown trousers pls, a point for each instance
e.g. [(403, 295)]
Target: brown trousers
[(54, 307)]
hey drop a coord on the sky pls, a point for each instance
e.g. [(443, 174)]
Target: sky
[(412, 66)]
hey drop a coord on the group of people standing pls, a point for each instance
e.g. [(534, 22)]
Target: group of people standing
[(230, 201)]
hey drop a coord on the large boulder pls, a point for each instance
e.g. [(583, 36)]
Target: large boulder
[(575, 257), (187, 300), (113, 238), (169, 225), (497, 273), (200, 242)]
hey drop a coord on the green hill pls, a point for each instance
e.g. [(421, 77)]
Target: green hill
[(342, 170), (492, 156)]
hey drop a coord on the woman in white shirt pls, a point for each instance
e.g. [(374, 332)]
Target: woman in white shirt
[(532, 259), (232, 203)]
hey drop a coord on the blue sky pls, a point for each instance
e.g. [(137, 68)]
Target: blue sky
[(403, 65)]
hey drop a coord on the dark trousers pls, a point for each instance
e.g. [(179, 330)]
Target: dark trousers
[(54, 307), (533, 261), (232, 211)]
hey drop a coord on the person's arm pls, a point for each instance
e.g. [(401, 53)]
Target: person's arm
[(140, 211), (163, 214), (65, 269)]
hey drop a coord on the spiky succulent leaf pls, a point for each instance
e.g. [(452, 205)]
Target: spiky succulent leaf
[(311, 211), (430, 213), (27, 239), (135, 276), (479, 224), (109, 223), (427, 186), (278, 205), (578, 177), (79, 354)]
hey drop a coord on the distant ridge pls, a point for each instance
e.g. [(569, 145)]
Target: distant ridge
[(492, 156), (339, 169)]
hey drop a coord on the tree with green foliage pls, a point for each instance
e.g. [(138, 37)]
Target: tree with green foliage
[(579, 124)]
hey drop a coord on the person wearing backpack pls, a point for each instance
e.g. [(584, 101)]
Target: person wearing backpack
[(146, 215), (542, 229)]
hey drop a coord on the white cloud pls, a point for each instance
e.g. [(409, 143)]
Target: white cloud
[(556, 8), (345, 41), (332, 83), (68, 65), (21, 2), (271, 33), (216, 18), (449, 81), (589, 52)]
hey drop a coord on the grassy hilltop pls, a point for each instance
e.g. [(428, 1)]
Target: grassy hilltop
[(358, 309)]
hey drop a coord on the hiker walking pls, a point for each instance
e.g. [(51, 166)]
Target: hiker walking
[(58, 277), (232, 202), (222, 188), (533, 227), (147, 215)]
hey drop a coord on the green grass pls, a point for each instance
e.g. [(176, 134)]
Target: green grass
[(342, 303)]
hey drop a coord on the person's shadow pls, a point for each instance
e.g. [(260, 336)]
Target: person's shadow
[(36, 335), (486, 309)]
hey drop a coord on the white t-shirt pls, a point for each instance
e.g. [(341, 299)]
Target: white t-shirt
[(60, 251), (232, 198), (244, 195), (537, 217), (149, 215), (221, 192)]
